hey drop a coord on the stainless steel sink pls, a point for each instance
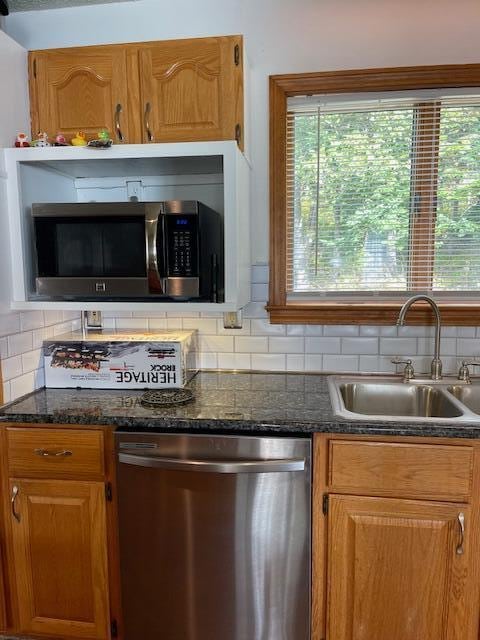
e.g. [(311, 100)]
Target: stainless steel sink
[(468, 394), (397, 400), (387, 398)]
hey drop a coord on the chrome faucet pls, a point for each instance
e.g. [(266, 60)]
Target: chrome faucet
[(436, 367)]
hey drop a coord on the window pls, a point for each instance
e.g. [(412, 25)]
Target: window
[(381, 194)]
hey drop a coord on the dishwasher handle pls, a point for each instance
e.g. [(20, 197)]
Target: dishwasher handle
[(214, 466)]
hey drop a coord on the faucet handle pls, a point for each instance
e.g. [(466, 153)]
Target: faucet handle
[(408, 372), (464, 372)]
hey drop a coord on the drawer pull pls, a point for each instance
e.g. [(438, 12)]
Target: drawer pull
[(461, 524), (53, 454), (12, 502)]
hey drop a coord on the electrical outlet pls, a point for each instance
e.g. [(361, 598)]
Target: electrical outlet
[(94, 319), (232, 320)]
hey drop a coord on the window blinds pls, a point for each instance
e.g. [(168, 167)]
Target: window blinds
[(383, 194)]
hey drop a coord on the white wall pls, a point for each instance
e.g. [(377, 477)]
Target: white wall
[(282, 36), (14, 117)]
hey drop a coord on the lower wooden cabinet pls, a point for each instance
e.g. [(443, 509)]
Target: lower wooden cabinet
[(398, 569), (60, 555), (396, 531)]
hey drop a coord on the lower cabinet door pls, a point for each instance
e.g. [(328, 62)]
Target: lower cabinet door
[(60, 555), (399, 570)]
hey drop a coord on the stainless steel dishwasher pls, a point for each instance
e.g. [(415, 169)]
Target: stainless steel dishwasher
[(214, 537)]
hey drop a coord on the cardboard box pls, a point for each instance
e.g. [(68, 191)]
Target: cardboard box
[(121, 360)]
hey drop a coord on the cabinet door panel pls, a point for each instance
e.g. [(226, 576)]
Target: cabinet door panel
[(79, 90), (394, 570), (193, 89), (60, 556)]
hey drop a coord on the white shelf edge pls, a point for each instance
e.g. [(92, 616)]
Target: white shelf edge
[(170, 307)]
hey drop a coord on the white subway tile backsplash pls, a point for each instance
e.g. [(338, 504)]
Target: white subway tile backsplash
[(208, 360), (259, 292), (268, 362), (285, 345), (216, 343), (341, 330), (234, 361), (313, 362), (258, 345), (251, 344), (9, 323), (23, 384), (259, 327), (314, 330), (295, 330), (32, 320), (469, 347), (155, 324), (32, 360), (260, 274), (295, 362), (398, 346), (341, 363), (203, 325), (322, 345), (466, 332), (19, 343), (255, 310), (360, 345), (12, 367), (132, 323)]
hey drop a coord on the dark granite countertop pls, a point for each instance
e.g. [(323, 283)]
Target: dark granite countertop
[(225, 402)]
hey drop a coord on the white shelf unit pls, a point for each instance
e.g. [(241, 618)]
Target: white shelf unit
[(215, 173)]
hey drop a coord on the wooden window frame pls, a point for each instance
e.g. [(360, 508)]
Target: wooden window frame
[(281, 311)]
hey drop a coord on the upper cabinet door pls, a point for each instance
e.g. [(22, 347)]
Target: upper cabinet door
[(80, 89), (192, 89), (400, 570)]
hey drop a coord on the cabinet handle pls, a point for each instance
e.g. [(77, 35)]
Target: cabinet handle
[(53, 454), (148, 108), (118, 111), (12, 502), (461, 524)]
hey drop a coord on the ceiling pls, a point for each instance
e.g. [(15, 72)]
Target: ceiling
[(34, 5)]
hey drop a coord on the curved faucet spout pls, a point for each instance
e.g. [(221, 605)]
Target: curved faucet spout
[(436, 368)]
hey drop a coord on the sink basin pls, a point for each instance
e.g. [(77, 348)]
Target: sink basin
[(388, 398), (377, 399), (469, 395)]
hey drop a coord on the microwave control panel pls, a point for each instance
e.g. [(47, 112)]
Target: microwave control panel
[(182, 235)]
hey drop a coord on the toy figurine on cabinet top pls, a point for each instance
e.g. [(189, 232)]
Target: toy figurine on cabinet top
[(60, 141), (41, 140), (22, 140), (79, 140)]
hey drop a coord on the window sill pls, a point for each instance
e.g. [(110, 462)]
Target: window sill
[(382, 313)]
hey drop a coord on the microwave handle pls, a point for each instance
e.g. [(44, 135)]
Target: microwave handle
[(152, 219)]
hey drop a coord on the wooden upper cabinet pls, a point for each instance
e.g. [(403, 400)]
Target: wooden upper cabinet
[(395, 571), (170, 91), (192, 89), (60, 556), (80, 89)]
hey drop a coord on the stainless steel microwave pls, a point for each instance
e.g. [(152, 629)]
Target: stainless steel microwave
[(129, 251)]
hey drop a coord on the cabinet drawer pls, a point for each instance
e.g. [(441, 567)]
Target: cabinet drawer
[(55, 453), (401, 470)]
